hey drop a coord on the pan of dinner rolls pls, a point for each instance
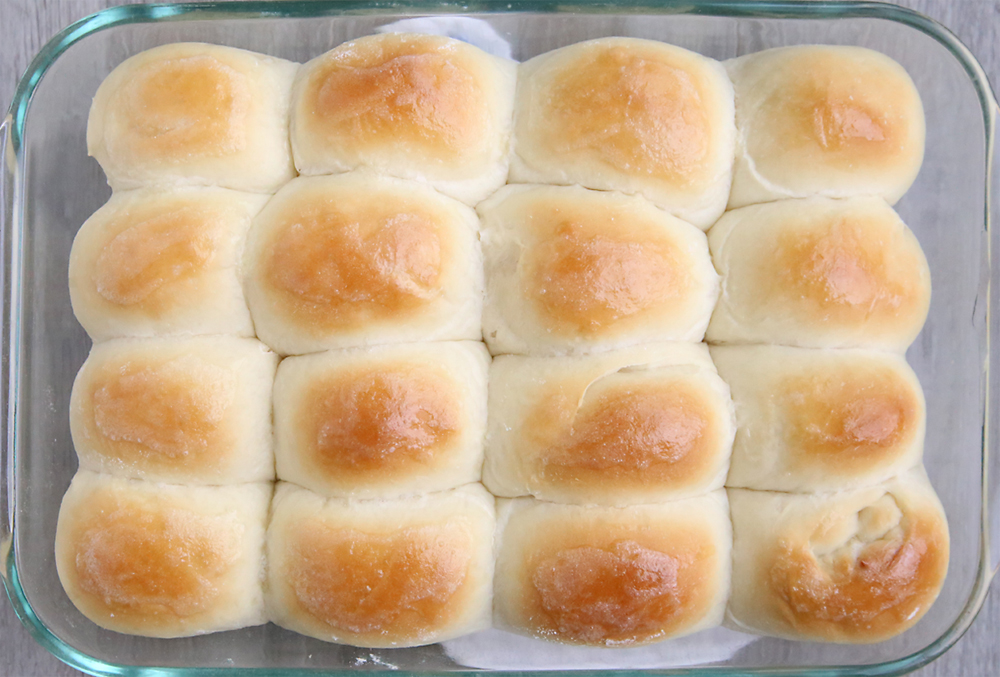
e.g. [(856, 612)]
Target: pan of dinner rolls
[(412, 341)]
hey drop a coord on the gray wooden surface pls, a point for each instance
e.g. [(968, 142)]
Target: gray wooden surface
[(25, 25)]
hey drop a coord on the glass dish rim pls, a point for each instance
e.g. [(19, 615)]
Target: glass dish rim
[(12, 130)]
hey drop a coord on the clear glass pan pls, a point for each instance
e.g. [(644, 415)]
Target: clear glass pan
[(49, 187)]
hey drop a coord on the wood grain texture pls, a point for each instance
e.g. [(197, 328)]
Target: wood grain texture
[(25, 25)]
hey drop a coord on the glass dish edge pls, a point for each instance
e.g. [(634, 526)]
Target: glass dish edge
[(11, 133)]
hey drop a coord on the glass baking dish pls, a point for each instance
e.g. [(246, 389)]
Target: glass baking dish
[(49, 187)]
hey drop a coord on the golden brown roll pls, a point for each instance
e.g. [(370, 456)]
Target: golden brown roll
[(639, 425), (361, 259), (161, 560), (819, 420), (614, 577), (192, 113), (186, 411), (824, 120), (383, 421), (164, 261), (381, 573), (636, 116), (419, 107), (858, 567), (819, 273), (572, 271)]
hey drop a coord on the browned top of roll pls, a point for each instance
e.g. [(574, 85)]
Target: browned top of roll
[(402, 583), (615, 584), (389, 420), (869, 588)]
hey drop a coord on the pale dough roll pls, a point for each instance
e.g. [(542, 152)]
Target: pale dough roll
[(381, 573), (824, 120), (186, 411), (420, 107), (816, 420), (384, 421), (162, 560), (614, 577), (635, 116), (639, 425), (160, 262), (819, 273), (858, 566), (192, 113), (572, 271), (361, 259)]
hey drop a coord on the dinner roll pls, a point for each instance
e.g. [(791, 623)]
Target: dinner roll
[(163, 261), (819, 273), (633, 426), (636, 116), (824, 120), (817, 420), (571, 271), (196, 114), (359, 259), (614, 577), (163, 560), (186, 411), (383, 421), (381, 573), (859, 566), (420, 107)]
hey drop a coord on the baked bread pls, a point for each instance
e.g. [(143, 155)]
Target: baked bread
[(381, 573), (635, 116), (819, 273), (613, 577), (185, 411), (571, 271), (820, 420), (161, 560), (824, 120), (419, 107), (163, 261), (192, 113), (383, 421), (640, 425), (360, 259), (858, 566)]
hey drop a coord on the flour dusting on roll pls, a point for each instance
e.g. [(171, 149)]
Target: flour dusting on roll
[(193, 113), (420, 107), (381, 573), (573, 271), (824, 120), (636, 116), (162, 560)]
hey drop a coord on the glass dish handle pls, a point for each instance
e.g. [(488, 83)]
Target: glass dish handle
[(8, 183)]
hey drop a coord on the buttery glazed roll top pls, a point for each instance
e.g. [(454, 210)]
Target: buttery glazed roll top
[(358, 259), (636, 116), (378, 573), (817, 420), (632, 426), (858, 566), (614, 577), (824, 120), (382, 421), (571, 271), (197, 114), (188, 411), (422, 107), (162, 560), (166, 261), (819, 273)]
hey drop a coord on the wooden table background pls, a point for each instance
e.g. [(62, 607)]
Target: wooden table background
[(25, 25)]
